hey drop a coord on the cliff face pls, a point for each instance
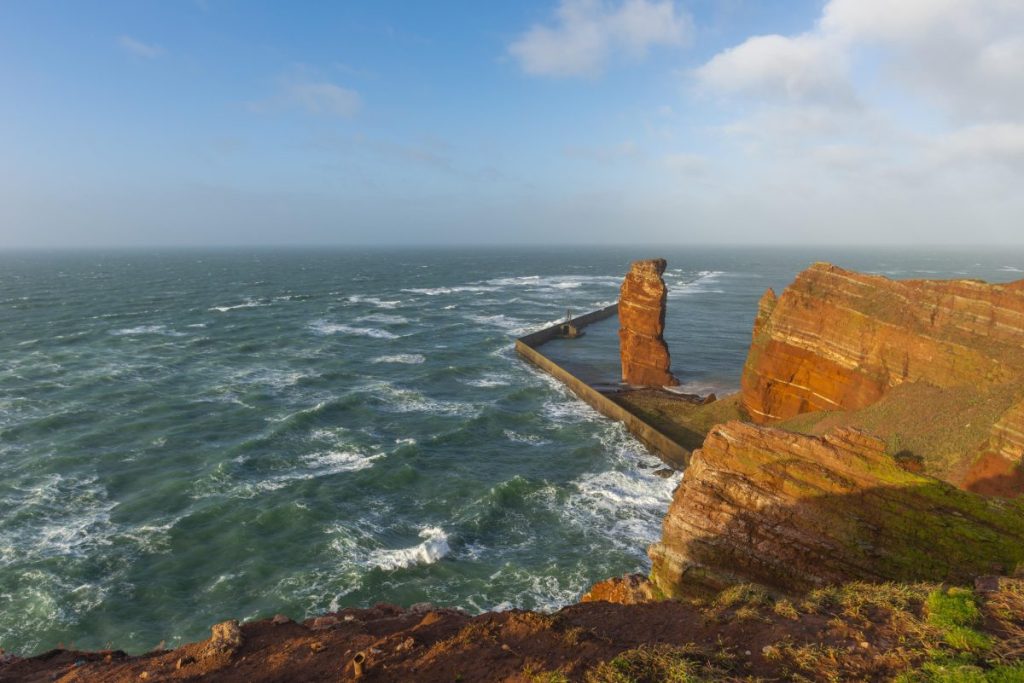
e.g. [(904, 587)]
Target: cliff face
[(795, 512), (645, 357), (839, 340), (998, 471)]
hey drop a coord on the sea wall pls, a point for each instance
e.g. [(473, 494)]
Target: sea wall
[(663, 446)]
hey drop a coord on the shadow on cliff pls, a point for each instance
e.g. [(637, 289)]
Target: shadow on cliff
[(930, 531), (994, 475)]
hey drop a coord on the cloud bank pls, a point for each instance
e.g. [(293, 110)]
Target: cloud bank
[(587, 34)]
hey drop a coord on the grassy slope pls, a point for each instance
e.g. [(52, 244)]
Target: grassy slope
[(943, 429)]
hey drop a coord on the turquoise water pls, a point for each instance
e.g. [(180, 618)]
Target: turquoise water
[(191, 436)]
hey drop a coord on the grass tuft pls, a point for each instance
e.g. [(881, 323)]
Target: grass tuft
[(955, 612), (648, 664)]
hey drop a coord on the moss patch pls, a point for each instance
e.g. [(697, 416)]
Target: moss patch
[(943, 429)]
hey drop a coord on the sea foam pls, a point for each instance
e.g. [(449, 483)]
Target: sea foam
[(433, 548)]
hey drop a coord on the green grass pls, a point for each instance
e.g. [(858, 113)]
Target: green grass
[(955, 612), (963, 673), (648, 664)]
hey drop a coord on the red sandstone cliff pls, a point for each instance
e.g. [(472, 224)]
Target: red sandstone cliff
[(836, 339), (645, 356), (795, 512)]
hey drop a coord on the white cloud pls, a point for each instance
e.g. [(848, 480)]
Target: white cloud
[(587, 33), (807, 67), (963, 55), (139, 48), (603, 153), (685, 163), (986, 143), (302, 89), (322, 97)]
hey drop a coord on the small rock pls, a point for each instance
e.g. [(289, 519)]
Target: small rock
[(664, 472), (768, 650), (864, 644), (747, 652), (321, 623), (183, 662), (144, 675), (987, 584), (421, 607), (405, 645), (316, 646), (226, 635), (349, 617), (280, 619)]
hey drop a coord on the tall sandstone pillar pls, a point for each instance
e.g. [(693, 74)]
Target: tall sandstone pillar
[(645, 357)]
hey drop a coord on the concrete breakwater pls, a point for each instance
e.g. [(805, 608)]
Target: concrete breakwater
[(671, 452)]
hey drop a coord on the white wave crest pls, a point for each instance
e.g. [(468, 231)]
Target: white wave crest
[(147, 329), (379, 303), (325, 328), (433, 548), (248, 303), (701, 284), (402, 358), (384, 319), (437, 291), (411, 401), (489, 381)]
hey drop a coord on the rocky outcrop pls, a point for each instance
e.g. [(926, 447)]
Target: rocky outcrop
[(795, 512), (839, 340), (631, 589), (998, 470), (645, 356)]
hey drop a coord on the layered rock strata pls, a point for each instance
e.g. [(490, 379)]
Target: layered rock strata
[(998, 471), (795, 512), (645, 356), (839, 340)]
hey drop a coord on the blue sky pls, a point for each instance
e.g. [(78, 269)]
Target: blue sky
[(561, 121)]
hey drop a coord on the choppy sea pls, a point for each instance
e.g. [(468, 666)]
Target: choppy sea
[(190, 436)]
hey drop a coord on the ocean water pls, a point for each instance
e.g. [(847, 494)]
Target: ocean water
[(190, 436)]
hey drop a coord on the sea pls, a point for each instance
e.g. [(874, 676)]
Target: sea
[(188, 436)]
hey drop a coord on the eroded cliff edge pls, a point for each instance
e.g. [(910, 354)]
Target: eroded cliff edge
[(794, 513), (927, 351)]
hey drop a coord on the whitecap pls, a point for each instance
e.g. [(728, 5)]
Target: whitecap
[(489, 381), (531, 439), (436, 291), (384, 319), (411, 401), (513, 325), (147, 329), (379, 303), (248, 303), (433, 548), (325, 328), (697, 285), (402, 358)]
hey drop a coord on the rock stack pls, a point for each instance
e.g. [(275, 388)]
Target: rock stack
[(645, 357)]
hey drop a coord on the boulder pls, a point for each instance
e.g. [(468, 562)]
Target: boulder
[(630, 589)]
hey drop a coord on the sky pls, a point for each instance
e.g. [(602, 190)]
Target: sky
[(242, 122)]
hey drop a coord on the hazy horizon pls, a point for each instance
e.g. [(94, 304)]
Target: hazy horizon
[(550, 122)]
